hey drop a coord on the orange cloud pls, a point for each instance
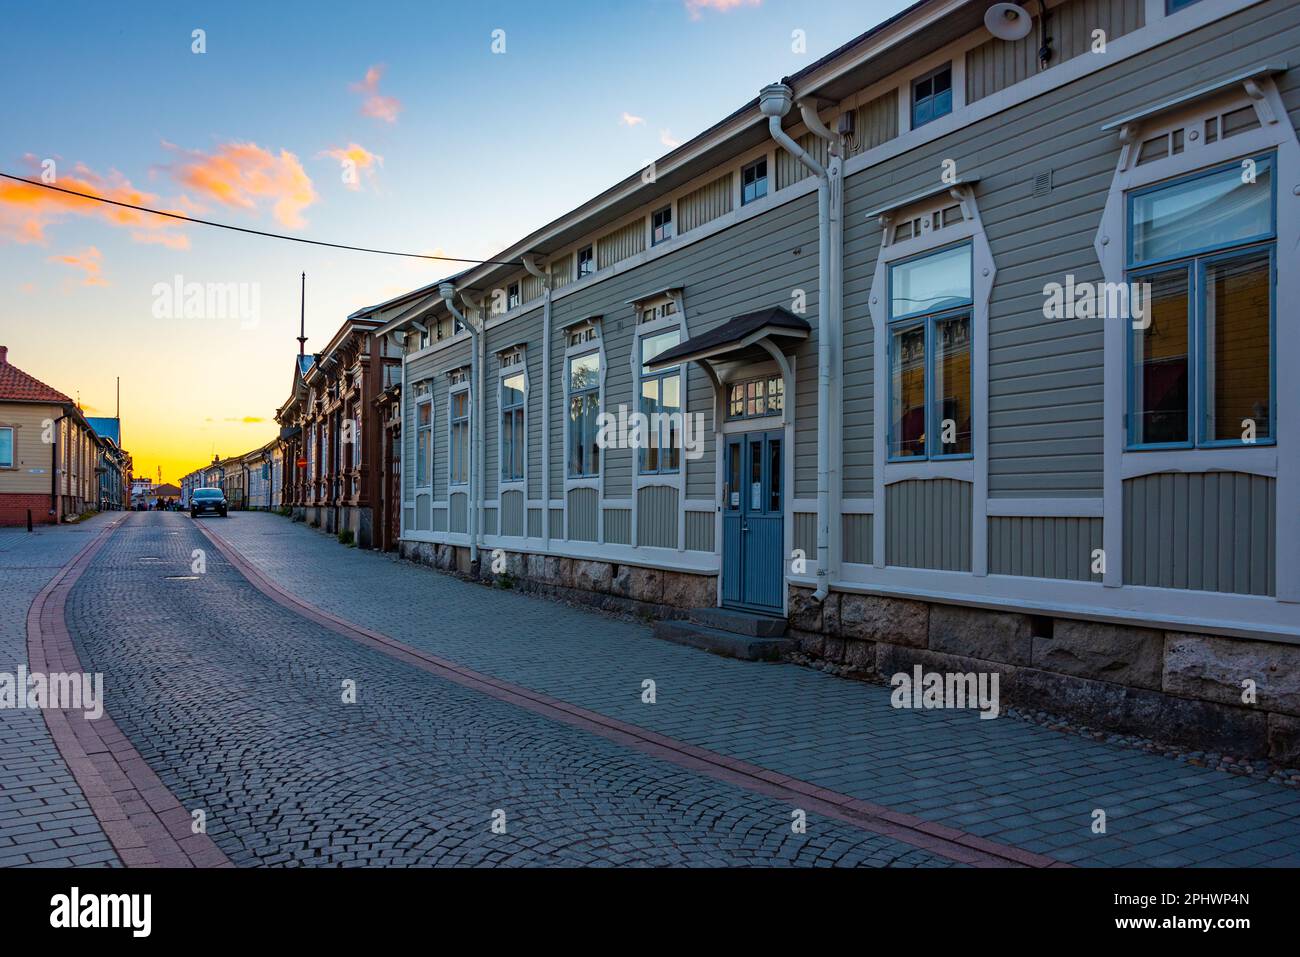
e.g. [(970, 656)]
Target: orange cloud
[(27, 209), (241, 174), (354, 158), (666, 138), (375, 103), (695, 7), (89, 262), (627, 119)]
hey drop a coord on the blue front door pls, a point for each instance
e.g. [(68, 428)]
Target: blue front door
[(753, 523)]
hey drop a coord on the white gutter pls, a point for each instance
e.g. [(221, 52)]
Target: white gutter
[(476, 331), (774, 101), (530, 263)]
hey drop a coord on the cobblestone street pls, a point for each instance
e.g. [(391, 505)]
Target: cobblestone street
[(236, 704), (235, 700)]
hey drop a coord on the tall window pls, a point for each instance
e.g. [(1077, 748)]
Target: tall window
[(930, 355), (512, 428), (584, 409), (661, 224), (1202, 357), (586, 261), (458, 464), (661, 403), (6, 448), (753, 181), (932, 96), (423, 433), (512, 295)]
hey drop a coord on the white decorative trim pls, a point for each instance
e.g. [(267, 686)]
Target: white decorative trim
[(1281, 460), (1218, 613), (974, 469)]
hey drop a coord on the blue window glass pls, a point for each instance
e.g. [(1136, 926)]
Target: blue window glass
[(753, 181), (1201, 353), (932, 96), (930, 408)]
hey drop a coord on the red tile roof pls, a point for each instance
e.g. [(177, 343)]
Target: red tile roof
[(17, 386)]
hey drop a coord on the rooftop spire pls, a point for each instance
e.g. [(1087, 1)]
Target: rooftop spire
[(302, 319)]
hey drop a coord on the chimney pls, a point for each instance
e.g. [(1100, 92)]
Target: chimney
[(4, 353)]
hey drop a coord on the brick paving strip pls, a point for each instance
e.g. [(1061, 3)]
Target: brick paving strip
[(935, 838), (147, 826)]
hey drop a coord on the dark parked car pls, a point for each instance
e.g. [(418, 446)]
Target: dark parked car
[(207, 500)]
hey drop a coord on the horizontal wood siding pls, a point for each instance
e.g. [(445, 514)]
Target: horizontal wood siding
[(1208, 532), (928, 524), (1044, 547)]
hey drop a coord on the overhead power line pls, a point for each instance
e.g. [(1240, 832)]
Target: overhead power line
[(256, 232)]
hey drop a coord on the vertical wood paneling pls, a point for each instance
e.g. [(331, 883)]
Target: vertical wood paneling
[(704, 204), (618, 526), (789, 170), (621, 244), (928, 524), (534, 523), (857, 539), (1040, 547), (512, 513), (699, 531), (583, 514), (805, 534), (459, 509), (557, 523), (656, 516), (1212, 531), (997, 64), (876, 122), (562, 271)]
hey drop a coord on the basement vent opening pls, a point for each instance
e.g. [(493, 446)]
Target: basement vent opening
[(1041, 626)]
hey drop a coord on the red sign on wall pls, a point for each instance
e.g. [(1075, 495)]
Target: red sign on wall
[(302, 463)]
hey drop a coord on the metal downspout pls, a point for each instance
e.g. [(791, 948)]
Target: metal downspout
[(448, 293), (774, 102), (530, 263)]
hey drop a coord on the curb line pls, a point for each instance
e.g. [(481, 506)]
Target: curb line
[(140, 816), (908, 829)]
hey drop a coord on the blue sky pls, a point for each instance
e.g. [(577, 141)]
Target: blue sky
[(477, 149)]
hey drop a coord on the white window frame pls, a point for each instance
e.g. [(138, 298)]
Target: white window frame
[(512, 363), (459, 386), (590, 346), (1282, 459), (420, 398), (973, 468), (13, 447)]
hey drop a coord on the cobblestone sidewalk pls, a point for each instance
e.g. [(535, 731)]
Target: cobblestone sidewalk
[(1005, 780), (44, 817)]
